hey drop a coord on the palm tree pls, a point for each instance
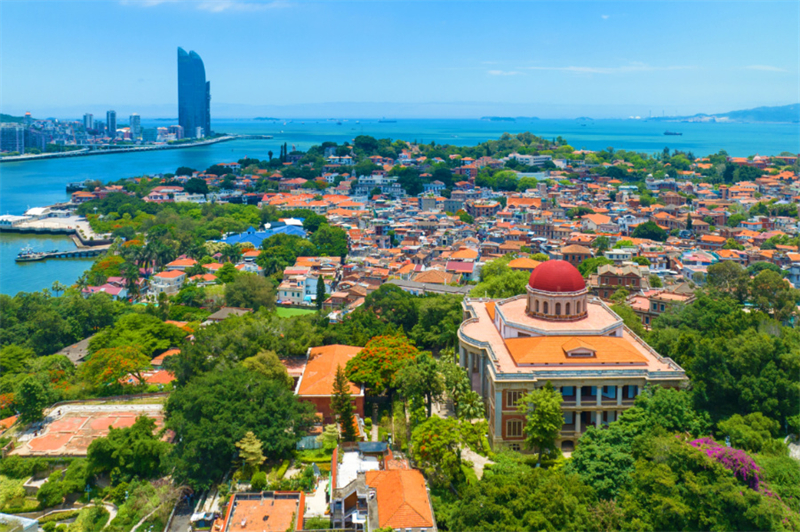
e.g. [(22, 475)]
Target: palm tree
[(57, 287), (82, 283), (130, 272)]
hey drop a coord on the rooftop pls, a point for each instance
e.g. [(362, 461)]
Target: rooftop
[(320, 370), (265, 512)]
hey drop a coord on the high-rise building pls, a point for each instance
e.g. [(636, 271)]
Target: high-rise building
[(111, 123), (28, 119), (177, 131), (12, 138), (194, 94), (88, 121), (136, 126)]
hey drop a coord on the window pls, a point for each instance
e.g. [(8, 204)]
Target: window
[(515, 447), (536, 306), (655, 306), (647, 320), (578, 307), (558, 309), (569, 418), (568, 309), (514, 428), (546, 308), (662, 308), (513, 397)]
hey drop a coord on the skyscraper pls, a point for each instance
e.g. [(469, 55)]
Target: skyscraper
[(194, 94), (111, 123), (136, 126), (88, 121)]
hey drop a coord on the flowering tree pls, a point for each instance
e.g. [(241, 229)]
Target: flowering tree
[(380, 360), (107, 367), (736, 460)]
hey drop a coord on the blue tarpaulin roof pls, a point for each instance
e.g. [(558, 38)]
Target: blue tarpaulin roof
[(256, 237)]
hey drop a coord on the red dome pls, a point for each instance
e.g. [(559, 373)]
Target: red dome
[(556, 276)]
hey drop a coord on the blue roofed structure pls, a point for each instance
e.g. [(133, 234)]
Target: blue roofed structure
[(256, 237)]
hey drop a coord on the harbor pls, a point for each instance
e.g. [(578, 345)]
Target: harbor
[(29, 255)]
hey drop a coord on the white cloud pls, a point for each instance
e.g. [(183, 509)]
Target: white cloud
[(503, 72), (624, 69), (765, 68), (604, 17)]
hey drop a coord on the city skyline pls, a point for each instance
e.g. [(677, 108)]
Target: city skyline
[(424, 59)]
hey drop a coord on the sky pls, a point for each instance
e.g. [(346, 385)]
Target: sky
[(401, 59)]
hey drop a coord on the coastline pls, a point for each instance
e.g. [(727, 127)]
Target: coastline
[(86, 151)]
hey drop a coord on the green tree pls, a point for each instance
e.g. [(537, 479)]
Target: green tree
[(543, 419), (312, 222), (258, 482), (342, 405), (753, 432), (728, 277), (250, 453), (731, 243), (320, 292), (14, 357), (422, 377), (438, 322), (125, 453), (601, 244), (641, 261), (31, 397), (215, 410), (651, 231), (270, 366), (655, 281), (148, 333), (227, 273), (249, 290), (436, 447), (590, 266), (330, 241), (772, 294)]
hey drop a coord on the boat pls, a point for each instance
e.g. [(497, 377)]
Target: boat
[(27, 254), (672, 133)]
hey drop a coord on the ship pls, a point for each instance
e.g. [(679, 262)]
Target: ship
[(672, 133), (27, 254)]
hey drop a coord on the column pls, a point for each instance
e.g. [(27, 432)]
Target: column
[(599, 395), (578, 422), (482, 363), (471, 364), (498, 414), (462, 359), (577, 396), (598, 419), (638, 390), (619, 395)]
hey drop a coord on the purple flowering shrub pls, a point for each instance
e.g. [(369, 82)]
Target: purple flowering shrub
[(736, 460)]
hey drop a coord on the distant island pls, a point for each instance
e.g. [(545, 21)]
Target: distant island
[(508, 118), (778, 114)]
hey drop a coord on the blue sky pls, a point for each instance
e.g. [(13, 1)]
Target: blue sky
[(412, 58)]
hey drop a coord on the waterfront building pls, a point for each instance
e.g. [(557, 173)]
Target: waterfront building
[(111, 123), (177, 131), (12, 138), (150, 134), (88, 121), (28, 120), (194, 94), (136, 126), (556, 333)]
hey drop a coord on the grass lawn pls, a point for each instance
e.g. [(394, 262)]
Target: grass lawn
[(290, 312), (215, 290)]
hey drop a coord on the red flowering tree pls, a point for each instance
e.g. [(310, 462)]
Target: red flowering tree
[(378, 363), (107, 367)]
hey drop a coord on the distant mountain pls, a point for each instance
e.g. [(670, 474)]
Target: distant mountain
[(782, 113)]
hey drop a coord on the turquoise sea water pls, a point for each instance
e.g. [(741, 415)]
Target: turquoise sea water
[(37, 183)]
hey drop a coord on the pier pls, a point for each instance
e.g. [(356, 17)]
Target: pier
[(73, 254)]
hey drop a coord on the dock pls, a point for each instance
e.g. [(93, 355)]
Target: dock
[(72, 254)]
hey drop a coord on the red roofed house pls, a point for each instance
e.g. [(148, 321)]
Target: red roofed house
[(169, 282), (316, 384)]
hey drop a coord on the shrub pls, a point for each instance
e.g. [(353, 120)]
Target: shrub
[(259, 481), (49, 527), (52, 492)]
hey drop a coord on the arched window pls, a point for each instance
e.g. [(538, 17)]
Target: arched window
[(558, 309), (567, 309), (546, 308), (578, 307), (536, 305)]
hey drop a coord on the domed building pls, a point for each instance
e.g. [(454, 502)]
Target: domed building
[(556, 332)]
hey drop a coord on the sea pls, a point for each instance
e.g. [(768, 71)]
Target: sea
[(43, 182)]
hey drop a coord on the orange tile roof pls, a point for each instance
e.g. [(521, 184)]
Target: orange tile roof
[(321, 369), (170, 274), (552, 350), (402, 499), (523, 263), (157, 361), (182, 262)]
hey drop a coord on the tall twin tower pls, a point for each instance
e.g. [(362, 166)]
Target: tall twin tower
[(194, 95)]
